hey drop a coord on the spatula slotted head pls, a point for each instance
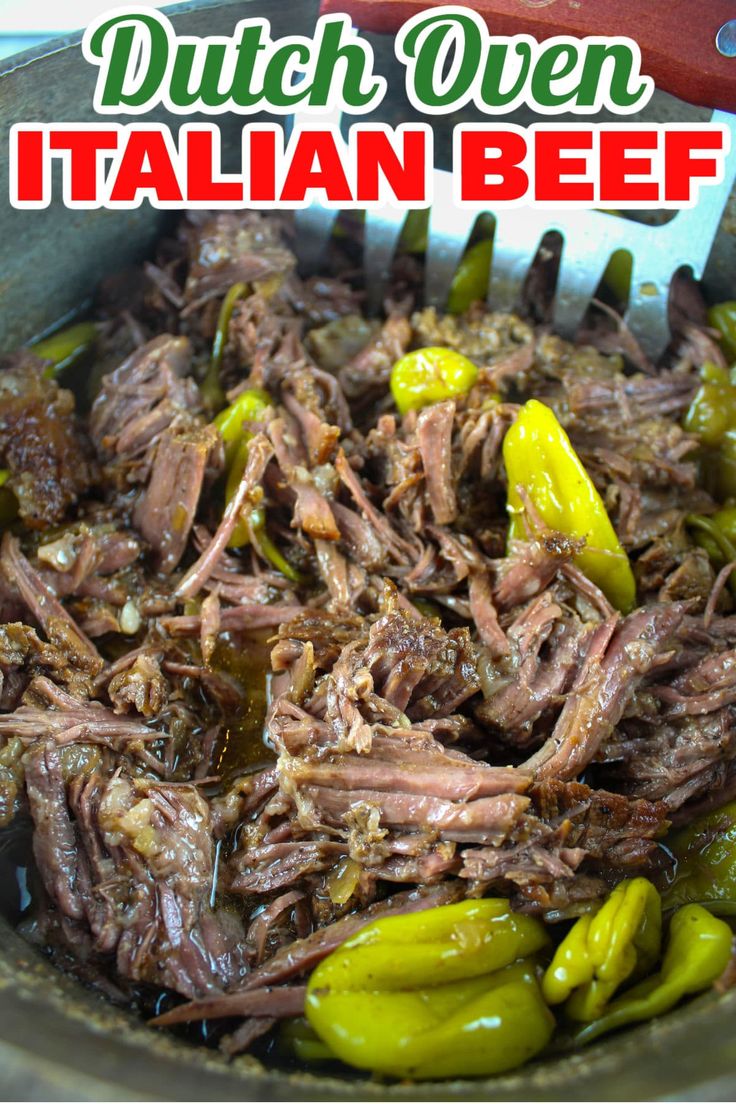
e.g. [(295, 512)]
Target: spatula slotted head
[(589, 239)]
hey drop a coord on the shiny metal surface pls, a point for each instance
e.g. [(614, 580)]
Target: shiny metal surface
[(589, 238)]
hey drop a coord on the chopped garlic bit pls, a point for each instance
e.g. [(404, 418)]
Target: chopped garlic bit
[(130, 618), (60, 554)]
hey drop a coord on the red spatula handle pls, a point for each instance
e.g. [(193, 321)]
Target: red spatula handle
[(677, 37)]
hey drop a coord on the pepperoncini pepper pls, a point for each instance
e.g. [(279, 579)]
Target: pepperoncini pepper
[(722, 317), (539, 458), (212, 392), (713, 410), (300, 1039), (472, 277), (430, 375), (717, 535), (249, 406), (65, 346), (698, 951), (414, 233), (434, 994), (705, 852), (470, 282), (603, 950), (617, 276), (712, 417), (8, 501)]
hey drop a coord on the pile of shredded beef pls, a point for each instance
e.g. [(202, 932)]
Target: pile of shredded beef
[(444, 719)]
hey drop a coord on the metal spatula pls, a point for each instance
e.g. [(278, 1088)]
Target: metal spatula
[(706, 75)]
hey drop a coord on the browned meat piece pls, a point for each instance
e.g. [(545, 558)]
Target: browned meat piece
[(327, 632), (485, 615), (485, 337), (321, 299), (299, 956), (631, 399), (279, 1003), (41, 443), (545, 652), (400, 549), (485, 820), (259, 453), (675, 762), (141, 398), (164, 513), (703, 688), (531, 566), (366, 376), (617, 659), (72, 562), (55, 621), (540, 858), (415, 665), (54, 844), (140, 687), (230, 248), (22, 655), (247, 616), (312, 509), (270, 867), (691, 580), (414, 750), (50, 713), (129, 863), (612, 829), (434, 434), (562, 899)]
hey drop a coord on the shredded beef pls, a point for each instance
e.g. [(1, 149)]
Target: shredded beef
[(234, 758), (41, 442), (141, 398), (165, 511)]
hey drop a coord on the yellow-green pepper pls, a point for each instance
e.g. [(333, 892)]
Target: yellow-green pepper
[(719, 470), (712, 417), (8, 501), (698, 952), (430, 375), (299, 1038), (725, 519), (65, 346), (252, 529), (470, 282), (617, 275), (413, 237), (705, 853), (539, 458), (212, 393), (722, 317), (249, 406), (717, 535), (440, 993), (603, 950), (713, 409)]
